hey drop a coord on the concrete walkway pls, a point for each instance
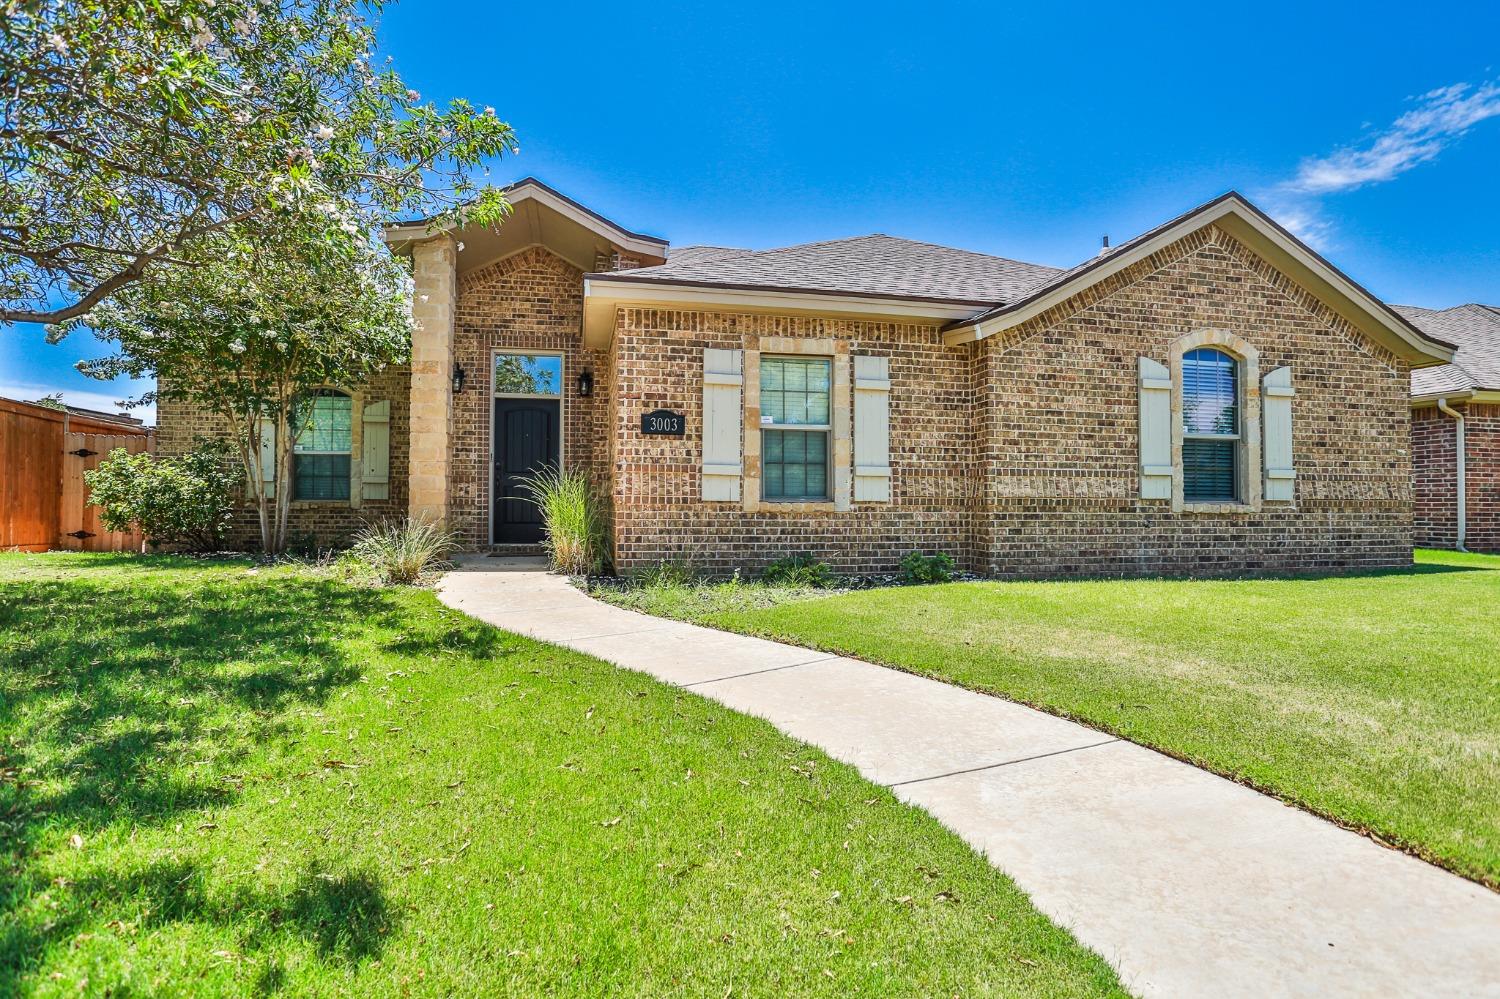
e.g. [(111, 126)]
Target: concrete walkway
[(1190, 885)]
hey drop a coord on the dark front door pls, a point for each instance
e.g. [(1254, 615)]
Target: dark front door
[(525, 442)]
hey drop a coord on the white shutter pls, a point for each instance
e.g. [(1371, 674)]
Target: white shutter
[(1276, 442), (872, 429), (266, 431), (375, 467), (1156, 429), (723, 383)]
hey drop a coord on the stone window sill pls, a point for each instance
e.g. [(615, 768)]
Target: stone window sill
[(1217, 508), (797, 506)]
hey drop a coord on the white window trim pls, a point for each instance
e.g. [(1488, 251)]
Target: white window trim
[(1247, 455)]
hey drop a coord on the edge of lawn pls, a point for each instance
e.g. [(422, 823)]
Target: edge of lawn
[(940, 833), (1388, 840)]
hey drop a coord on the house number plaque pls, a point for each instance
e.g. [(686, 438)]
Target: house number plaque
[(663, 423)]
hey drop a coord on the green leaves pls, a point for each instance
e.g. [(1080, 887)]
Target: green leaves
[(131, 132), (181, 500), (266, 315)]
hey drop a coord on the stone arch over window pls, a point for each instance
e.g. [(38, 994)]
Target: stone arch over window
[(1215, 419)]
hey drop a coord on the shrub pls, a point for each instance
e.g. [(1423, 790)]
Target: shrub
[(802, 569), (182, 500), (919, 568), (576, 539), (399, 551)]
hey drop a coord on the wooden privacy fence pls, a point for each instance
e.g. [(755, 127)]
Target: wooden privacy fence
[(43, 498)]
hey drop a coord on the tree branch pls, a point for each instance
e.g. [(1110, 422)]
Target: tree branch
[(127, 275)]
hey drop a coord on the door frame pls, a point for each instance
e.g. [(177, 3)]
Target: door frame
[(491, 395)]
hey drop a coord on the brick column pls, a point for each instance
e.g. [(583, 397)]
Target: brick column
[(433, 267)]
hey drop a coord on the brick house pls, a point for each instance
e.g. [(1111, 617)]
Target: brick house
[(1455, 431), (1210, 397)]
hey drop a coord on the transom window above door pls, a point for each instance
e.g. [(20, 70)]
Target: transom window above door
[(528, 374), (795, 420)]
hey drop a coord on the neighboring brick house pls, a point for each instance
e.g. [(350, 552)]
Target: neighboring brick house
[(1453, 404), (1210, 397)]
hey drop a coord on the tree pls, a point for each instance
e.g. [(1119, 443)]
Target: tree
[(53, 400), (267, 319), (133, 133)]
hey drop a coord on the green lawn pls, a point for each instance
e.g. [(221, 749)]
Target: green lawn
[(1372, 699), (218, 780)]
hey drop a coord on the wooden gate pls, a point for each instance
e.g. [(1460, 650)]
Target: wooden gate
[(43, 499), (80, 527)]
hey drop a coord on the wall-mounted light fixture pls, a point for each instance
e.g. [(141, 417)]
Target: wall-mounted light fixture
[(585, 383), (458, 378)]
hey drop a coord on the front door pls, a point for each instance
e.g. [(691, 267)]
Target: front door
[(526, 441)]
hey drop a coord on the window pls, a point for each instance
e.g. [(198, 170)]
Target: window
[(321, 455), (795, 411), (1210, 427), (528, 374)]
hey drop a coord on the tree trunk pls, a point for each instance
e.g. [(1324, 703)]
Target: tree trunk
[(251, 458), (284, 472)]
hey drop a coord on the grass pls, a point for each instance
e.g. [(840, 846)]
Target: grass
[(1372, 699), (217, 779)]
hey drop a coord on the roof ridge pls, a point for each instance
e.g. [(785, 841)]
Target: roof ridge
[(914, 242)]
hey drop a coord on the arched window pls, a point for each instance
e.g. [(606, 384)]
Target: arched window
[(321, 455), (1210, 426)]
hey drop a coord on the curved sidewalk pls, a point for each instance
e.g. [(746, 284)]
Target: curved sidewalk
[(1189, 884)]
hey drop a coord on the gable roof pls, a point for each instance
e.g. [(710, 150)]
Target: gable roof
[(875, 265), (977, 294), (1476, 365), (541, 216), (1236, 215)]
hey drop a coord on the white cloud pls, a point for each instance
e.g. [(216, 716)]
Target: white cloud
[(1440, 118), (102, 401), (1305, 220)]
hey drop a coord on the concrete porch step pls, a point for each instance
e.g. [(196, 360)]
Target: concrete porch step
[(513, 551)]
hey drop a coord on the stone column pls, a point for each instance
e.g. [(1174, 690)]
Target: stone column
[(434, 269)]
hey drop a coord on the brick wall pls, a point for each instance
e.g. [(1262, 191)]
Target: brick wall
[(1483, 476), (325, 523), (658, 357), (1435, 476), (532, 300), (1058, 455), (1019, 454)]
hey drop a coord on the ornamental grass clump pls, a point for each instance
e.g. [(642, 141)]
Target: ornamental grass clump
[(399, 552), (575, 531)]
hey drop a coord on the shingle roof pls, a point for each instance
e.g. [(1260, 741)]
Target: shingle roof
[(1476, 331), (1062, 277), (875, 265), (700, 254)]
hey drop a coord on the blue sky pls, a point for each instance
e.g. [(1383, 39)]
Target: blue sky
[(1372, 129)]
